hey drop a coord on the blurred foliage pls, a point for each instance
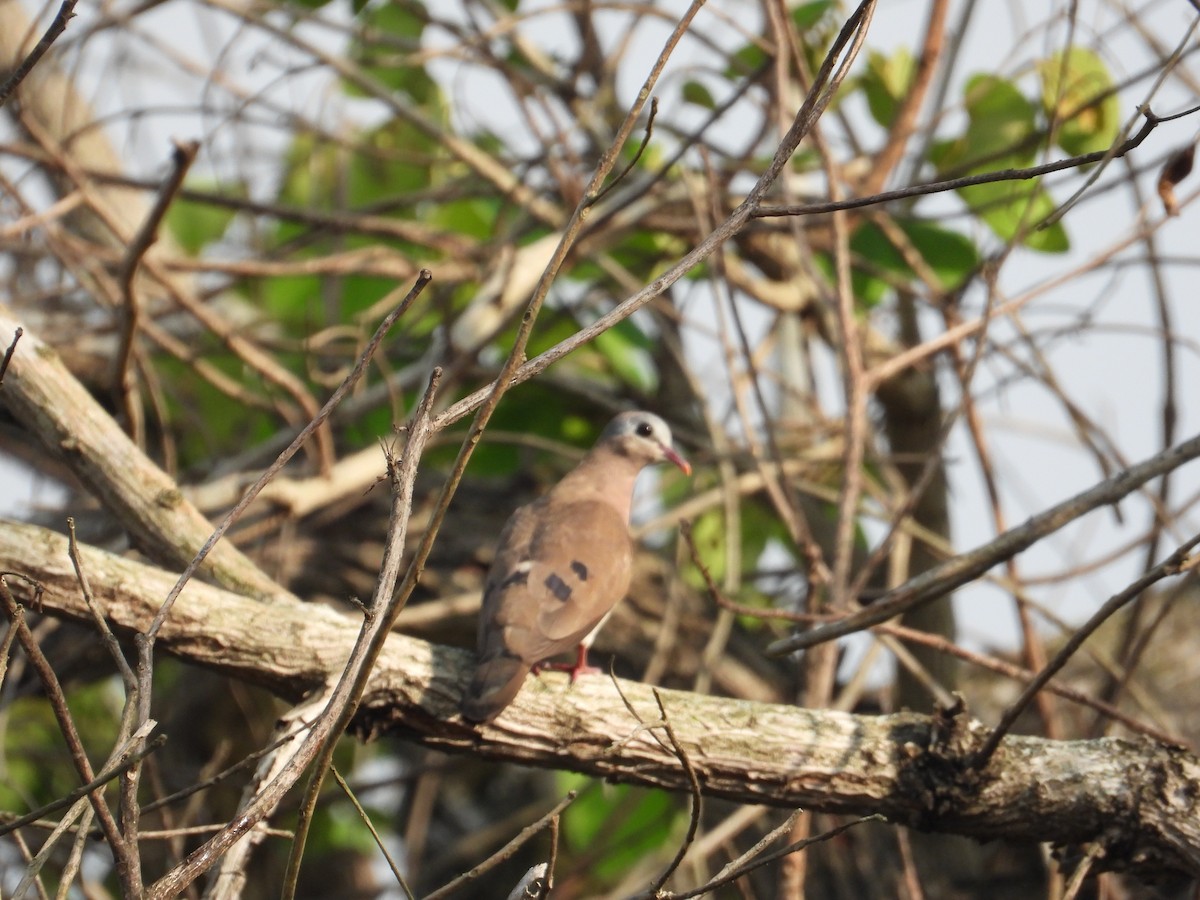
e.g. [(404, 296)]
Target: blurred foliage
[(1079, 97), (398, 168), (886, 83), (37, 767), (611, 829)]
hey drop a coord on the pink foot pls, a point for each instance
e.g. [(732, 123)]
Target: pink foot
[(575, 669)]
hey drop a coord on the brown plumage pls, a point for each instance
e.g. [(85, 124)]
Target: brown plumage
[(563, 562)]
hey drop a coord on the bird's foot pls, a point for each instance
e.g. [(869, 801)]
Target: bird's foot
[(572, 669), (575, 669)]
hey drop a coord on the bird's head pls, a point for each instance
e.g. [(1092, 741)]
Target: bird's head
[(643, 437)]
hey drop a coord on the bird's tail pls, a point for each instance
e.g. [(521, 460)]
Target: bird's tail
[(496, 682)]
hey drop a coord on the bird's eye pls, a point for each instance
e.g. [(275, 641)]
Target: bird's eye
[(644, 429)]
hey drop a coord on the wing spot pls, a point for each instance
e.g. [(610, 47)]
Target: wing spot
[(559, 588), (579, 569)]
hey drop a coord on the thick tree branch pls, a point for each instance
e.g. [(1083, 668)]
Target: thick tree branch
[(47, 400), (1139, 799)]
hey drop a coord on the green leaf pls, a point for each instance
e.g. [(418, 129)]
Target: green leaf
[(1012, 206), (808, 15), (469, 216), (397, 158), (207, 423), (805, 160), (532, 409), (554, 325), (1000, 123), (194, 224), (385, 58), (308, 169), (758, 526), (697, 93), (951, 256), (1077, 91), (869, 243), (708, 536), (290, 298), (750, 596), (617, 827), (749, 58), (337, 827), (623, 347), (887, 82), (644, 253)]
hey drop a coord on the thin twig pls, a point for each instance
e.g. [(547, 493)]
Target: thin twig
[(1177, 562), (75, 858), (366, 820), (903, 122), (106, 636), (66, 12), (506, 851), (81, 812), (1095, 851), (254, 810), (182, 158), (762, 844), (636, 156), (548, 884), (912, 876), (697, 801), (954, 184), (10, 635), (1135, 638), (377, 625), (134, 714), (953, 573), (734, 875), (820, 668), (8, 354), (253, 491), (126, 867), (83, 790)]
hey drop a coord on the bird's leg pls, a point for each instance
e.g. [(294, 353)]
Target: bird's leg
[(575, 669)]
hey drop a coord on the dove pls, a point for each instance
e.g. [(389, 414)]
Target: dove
[(562, 563)]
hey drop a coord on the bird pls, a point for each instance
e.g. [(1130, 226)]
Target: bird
[(562, 563)]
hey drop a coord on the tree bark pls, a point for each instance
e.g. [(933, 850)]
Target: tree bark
[(1140, 801)]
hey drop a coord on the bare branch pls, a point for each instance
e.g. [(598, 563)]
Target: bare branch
[(970, 565)]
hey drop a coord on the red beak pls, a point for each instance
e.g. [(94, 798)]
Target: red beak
[(673, 457)]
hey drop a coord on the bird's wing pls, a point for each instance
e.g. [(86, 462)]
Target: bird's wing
[(561, 566)]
